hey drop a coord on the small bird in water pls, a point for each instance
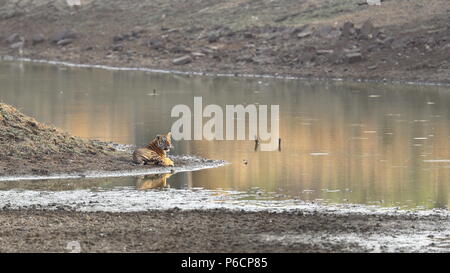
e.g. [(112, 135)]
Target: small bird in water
[(245, 162)]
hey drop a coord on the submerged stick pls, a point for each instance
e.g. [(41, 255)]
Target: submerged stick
[(256, 143)]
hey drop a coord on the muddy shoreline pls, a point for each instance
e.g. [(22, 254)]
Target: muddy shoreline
[(220, 231)]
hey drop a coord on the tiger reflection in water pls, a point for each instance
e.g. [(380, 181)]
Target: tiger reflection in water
[(153, 181)]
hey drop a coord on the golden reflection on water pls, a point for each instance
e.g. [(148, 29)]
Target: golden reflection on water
[(341, 142), (148, 182), (142, 182)]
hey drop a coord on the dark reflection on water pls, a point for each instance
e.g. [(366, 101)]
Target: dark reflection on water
[(342, 142)]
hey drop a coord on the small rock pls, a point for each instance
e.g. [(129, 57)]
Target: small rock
[(64, 42), (213, 37), (179, 50), (305, 33), (296, 30), (130, 53), (37, 39), (198, 54), (367, 30), (194, 29), (182, 60), (63, 35), (173, 30), (307, 54), (308, 58), (117, 47), (386, 41), (281, 19), (263, 60), (73, 3), (399, 43), (381, 35), (372, 47), (374, 2), (117, 39), (348, 29), (16, 45), (155, 44), (353, 57), (245, 58), (270, 36), (324, 31), (352, 50), (208, 50), (215, 48), (13, 38), (137, 30), (248, 35), (135, 35), (324, 51)]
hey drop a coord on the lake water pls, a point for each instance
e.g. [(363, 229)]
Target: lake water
[(342, 142)]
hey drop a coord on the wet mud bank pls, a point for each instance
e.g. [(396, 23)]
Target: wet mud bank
[(221, 231)]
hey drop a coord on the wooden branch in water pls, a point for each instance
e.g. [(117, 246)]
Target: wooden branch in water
[(256, 143)]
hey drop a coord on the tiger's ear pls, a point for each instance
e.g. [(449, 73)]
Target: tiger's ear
[(158, 137)]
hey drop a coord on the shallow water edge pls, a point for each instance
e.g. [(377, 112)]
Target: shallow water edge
[(208, 74), (195, 164), (127, 200)]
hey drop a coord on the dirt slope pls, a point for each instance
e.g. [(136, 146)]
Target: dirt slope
[(30, 147)]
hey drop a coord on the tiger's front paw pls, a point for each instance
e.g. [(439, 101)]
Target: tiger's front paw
[(168, 162)]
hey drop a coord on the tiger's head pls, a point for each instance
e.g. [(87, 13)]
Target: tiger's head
[(164, 142)]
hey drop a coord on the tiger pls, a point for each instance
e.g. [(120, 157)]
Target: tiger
[(155, 152)]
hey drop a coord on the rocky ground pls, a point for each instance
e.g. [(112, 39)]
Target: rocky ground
[(399, 40), (220, 231)]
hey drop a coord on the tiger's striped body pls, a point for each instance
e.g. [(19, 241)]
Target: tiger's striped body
[(155, 152)]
